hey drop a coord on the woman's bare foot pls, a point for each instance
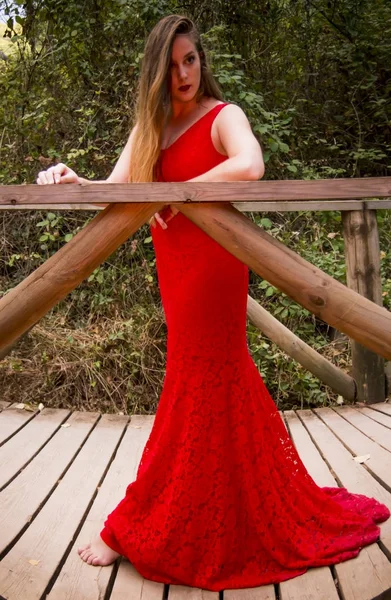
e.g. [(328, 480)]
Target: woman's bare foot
[(97, 553)]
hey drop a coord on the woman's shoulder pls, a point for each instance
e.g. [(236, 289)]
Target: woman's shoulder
[(227, 110), (230, 108), (230, 114)]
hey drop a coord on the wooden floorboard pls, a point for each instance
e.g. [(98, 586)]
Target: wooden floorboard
[(13, 419), (384, 407), (21, 500), (76, 578), (377, 432), (63, 472), (25, 444)]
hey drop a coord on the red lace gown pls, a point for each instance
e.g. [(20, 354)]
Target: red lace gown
[(222, 499)]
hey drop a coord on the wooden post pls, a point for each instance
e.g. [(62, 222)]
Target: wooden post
[(362, 256), (351, 313)]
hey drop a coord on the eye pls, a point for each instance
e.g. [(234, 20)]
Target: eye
[(191, 59)]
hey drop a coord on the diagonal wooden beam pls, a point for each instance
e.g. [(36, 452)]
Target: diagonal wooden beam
[(330, 300), (317, 364), (25, 304)]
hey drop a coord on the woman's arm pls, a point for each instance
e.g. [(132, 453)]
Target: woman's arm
[(62, 174), (245, 160)]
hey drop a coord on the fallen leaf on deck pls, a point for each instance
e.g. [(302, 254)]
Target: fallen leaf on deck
[(361, 459), (40, 406), (65, 425), (20, 405), (339, 400), (34, 562)]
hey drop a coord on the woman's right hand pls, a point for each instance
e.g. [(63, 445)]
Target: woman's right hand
[(58, 174)]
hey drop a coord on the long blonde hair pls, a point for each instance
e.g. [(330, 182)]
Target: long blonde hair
[(153, 108)]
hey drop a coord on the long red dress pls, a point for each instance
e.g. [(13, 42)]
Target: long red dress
[(222, 499)]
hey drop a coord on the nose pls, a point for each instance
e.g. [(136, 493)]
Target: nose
[(182, 72)]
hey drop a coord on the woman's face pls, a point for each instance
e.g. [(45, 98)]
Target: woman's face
[(185, 70)]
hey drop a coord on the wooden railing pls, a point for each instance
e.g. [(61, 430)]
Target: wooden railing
[(355, 310)]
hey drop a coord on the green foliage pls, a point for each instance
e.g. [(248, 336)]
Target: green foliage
[(314, 80)]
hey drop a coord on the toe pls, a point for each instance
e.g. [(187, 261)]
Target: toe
[(86, 554), (91, 558), (83, 548)]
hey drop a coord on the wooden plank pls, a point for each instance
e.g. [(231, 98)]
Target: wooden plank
[(12, 419), (379, 463), (4, 404), (130, 585), (307, 205), (378, 433), (362, 257), (181, 592), (50, 534), (265, 592), (375, 415), (352, 475), (23, 446), (309, 454), (292, 206), (365, 577), (24, 495), (315, 584), (51, 207), (77, 579), (377, 204), (285, 339), (356, 479), (383, 407), (227, 191)]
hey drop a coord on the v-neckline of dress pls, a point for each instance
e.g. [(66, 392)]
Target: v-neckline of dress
[(191, 126)]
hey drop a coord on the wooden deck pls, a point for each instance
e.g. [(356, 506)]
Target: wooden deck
[(61, 473)]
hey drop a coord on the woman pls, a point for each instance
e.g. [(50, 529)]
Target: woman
[(222, 499)]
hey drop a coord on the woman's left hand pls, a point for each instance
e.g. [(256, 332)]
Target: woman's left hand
[(158, 219)]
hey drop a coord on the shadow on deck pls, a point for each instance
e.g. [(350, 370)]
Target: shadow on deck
[(62, 473)]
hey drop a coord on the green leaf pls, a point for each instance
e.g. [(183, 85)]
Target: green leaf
[(148, 240), (284, 147), (266, 223), (270, 291)]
